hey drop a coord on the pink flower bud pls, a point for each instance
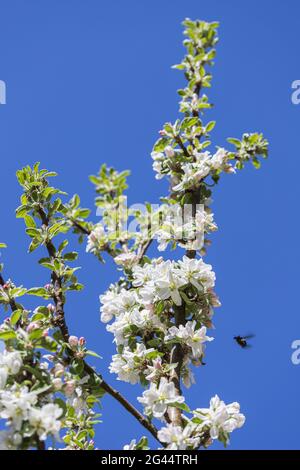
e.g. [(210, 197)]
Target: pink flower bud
[(32, 326), (45, 333), (73, 342), (82, 341), (51, 308)]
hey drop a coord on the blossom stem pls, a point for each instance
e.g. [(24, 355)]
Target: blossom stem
[(12, 301)]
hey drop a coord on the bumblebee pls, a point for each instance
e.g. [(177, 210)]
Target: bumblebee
[(242, 341)]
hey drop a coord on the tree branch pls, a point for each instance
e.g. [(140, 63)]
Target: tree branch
[(62, 325)]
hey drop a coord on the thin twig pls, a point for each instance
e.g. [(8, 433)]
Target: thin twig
[(12, 302)]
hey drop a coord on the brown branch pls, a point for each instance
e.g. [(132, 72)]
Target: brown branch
[(124, 402), (143, 249), (62, 325), (141, 418), (82, 229), (182, 146)]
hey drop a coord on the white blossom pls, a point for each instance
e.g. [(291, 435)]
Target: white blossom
[(129, 365), (15, 405), (219, 159), (45, 420), (96, 239), (178, 438), (116, 302), (126, 259), (169, 285), (220, 418), (157, 398), (197, 273), (10, 364), (190, 336), (10, 440)]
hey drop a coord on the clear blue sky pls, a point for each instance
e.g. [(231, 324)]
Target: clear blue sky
[(90, 82)]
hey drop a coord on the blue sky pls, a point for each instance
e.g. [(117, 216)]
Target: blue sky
[(90, 82)]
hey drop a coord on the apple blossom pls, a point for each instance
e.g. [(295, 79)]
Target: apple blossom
[(11, 362), (177, 438), (46, 420), (190, 336), (73, 342), (219, 418), (158, 397), (96, 239), (15, 405)]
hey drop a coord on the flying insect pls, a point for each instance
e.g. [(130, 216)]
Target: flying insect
[(242, 341)]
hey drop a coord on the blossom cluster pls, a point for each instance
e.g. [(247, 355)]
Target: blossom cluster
[(203, 427), (41, 393), (145, 312), (180, 227), (25, 415), (215, 422), (197, 166)]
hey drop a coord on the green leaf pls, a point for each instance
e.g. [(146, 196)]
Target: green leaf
[(161, 144), (34, 232), (48, 343), (63, 245), (256, 163), (73, 255), (234, 141), (181, 406), (77, 366), (76, 287), (92, 353), (21, 211), (15, 317), (29, 221), (34, 245), (210, 126), (189, 122), (5, 335), (36, 334), (39, 292)]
